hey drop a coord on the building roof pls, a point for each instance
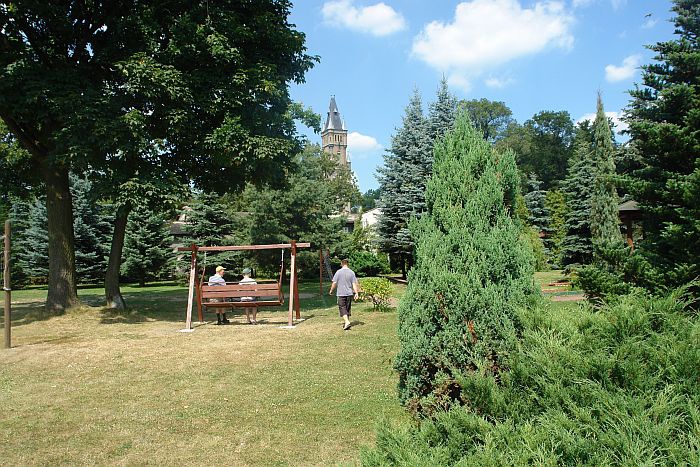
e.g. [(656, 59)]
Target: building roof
[(630, 205), (333, 120)]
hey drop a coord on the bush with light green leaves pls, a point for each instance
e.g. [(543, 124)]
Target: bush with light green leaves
[(378, 290)]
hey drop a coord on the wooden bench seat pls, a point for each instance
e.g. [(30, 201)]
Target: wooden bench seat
[(229, 295)]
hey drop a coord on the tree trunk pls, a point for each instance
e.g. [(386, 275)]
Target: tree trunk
[(113, 294), (63, 293)]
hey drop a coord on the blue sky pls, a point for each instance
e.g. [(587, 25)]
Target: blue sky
[(532, 55)]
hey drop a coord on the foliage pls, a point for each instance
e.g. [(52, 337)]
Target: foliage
[(148, 254), (204, 86), (368, 264), (577, 245), (91, 233), (473, 270), (369, 199), (32, 241), (441, 113), (533, 239), (407, 167), (307, 208), (664, 125), (605, 219), (491, 118), (555, 204), (402, 178), (543, 145), (378, 290), (615, 386), (18, 216)]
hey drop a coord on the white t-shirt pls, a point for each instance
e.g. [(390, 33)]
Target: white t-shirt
[(247, 280)]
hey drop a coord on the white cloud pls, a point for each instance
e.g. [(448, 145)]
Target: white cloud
[(459, 81), (359, 143), (615, 116), (618, 73), (487, 33), (498, 83), (378, 20), (649, 23), (616, 4)]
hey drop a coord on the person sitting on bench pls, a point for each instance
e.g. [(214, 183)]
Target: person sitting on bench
[(218, 279), (249, 310)]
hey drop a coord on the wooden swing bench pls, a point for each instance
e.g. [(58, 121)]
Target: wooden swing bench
[(264, 294)]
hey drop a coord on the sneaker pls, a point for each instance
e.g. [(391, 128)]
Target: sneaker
[(254, 322), (347, 327), (225, 321)]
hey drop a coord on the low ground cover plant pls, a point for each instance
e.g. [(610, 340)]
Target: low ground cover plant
[(619, 385)]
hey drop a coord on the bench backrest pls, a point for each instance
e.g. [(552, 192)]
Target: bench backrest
[(235, 290)]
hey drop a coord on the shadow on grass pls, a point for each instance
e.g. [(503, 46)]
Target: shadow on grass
[(153, 302)]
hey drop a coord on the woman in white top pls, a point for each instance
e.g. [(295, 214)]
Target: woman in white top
[(254, 309)]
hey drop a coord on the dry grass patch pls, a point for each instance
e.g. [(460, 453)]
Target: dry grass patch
[(98, 387)]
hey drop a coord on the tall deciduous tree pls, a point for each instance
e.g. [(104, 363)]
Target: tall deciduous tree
[(605, 219), (473, 269), (543, 145), (665, 127), (491, 118), (208, 79)]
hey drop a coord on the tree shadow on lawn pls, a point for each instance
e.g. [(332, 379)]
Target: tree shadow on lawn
[(146, 304)]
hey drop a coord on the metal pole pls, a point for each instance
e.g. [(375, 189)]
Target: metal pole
[(6, 287)]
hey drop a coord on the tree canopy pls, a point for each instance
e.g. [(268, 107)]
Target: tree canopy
[(197, 89)]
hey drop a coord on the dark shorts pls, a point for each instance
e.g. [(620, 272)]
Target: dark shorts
[(344, 305)]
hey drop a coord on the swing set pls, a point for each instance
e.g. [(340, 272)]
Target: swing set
[(264, 293)]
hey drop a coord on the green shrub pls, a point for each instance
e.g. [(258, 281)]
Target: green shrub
[(367, 264), (473, 270), (378, 290), (619, 385)]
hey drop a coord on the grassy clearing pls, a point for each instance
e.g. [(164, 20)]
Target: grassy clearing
[(96, 386)]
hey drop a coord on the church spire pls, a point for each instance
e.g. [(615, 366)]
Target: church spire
[(333, 120)]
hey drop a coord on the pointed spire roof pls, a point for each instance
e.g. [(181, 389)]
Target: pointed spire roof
[(333, 120)]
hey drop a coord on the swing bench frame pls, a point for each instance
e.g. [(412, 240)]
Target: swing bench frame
[(235, 290)]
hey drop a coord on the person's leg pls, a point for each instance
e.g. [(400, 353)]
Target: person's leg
[(255, 315), (223, 318), (343, 310), (247, 315), (218, 316)]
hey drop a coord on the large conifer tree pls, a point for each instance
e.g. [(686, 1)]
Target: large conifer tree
[(441, 114), (473, 269), (402, 179), (664, 124), (147, 247), (605, 219), (577, 246)]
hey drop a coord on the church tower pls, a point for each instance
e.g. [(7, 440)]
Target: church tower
[(334, 137)]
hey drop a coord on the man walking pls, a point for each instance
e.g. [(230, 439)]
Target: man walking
[(347, 288)]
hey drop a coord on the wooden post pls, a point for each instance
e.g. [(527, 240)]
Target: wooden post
[(6, 286), (297, 303), (320, 272), (630, 232), (292, 280), (190, 295)]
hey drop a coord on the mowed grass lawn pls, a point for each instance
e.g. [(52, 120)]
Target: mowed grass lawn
[(94, 386)]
